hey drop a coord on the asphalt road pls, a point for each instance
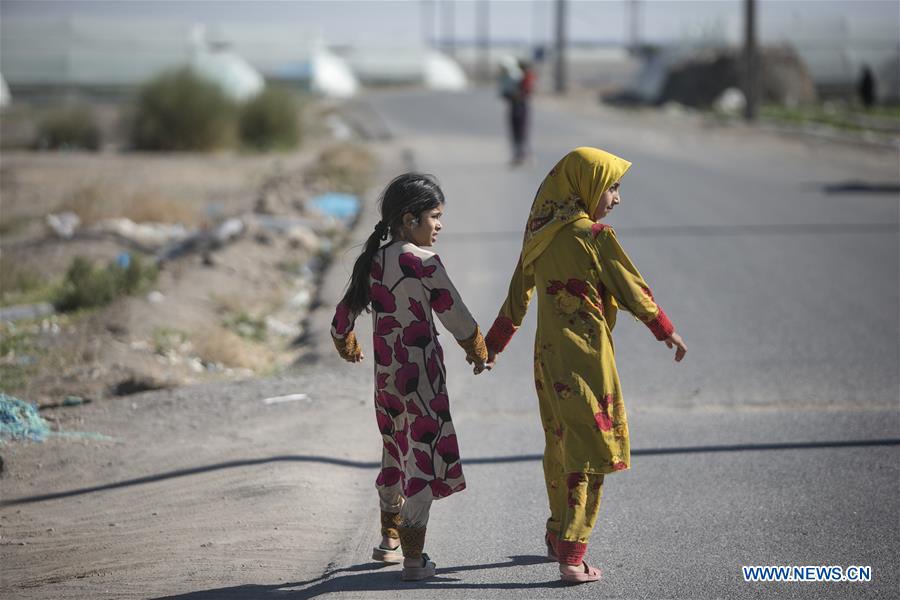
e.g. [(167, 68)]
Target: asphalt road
[(774, 443)]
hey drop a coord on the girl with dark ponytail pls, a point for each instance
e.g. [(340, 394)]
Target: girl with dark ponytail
[(404, 284)]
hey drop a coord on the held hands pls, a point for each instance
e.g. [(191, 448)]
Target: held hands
[(487, 366), (675, 341)]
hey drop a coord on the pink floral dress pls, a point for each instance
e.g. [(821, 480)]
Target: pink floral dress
[(412, 407)]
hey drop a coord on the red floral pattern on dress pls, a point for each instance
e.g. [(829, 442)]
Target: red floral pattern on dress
[(385, 423), (441, 300), (441, 406), (401, 437), (601, 417), (376, 271), (424, 462), (598, 228), (382, 351), (417, 333), (563, 390), (389, 402), (341, 321), (386, 325), (391, 448), (414, 486), (407, 378), (388, 476), (381, 381), (447, 449), (382, 299), (440, 489), (412, 407), (412, 266), (424, 429)]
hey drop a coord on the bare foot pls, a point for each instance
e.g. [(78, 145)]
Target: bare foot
[(392, 543)]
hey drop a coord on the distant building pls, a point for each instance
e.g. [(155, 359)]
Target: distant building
[(39, 56)]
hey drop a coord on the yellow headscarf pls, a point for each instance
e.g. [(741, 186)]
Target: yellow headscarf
[(571, 191)]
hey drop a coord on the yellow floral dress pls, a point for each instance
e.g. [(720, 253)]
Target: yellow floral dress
[(581, 279)]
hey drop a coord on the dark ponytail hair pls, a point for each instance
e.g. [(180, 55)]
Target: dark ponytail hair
[(408, 193)]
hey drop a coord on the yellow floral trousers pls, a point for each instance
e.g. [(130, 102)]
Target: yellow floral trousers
[(574, 504)]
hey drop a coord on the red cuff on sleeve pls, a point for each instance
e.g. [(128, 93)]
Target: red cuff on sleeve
[(661, 326), (501, 332)]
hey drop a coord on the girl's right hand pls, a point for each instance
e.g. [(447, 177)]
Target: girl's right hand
[(675, 341), (492, 358)]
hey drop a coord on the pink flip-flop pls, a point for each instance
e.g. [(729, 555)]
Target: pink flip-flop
[(587, 575), (551, 549)]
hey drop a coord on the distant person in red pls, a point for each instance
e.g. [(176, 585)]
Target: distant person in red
[(521, 118), (517, 79)]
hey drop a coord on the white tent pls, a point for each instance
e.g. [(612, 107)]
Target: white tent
[(330, 76), (216, 63), (440, 72)]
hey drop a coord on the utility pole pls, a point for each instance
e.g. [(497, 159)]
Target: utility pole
[(449, 32), (483, 27), (751, 62), (634, 15), (427, 13), (560, 71)]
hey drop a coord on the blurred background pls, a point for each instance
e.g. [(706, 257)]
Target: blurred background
[(183, 190)]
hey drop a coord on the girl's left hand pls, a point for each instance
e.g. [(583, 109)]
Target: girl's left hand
[(675, 341)]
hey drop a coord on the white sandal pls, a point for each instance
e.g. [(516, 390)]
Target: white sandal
[(387, 555), (419, 573)]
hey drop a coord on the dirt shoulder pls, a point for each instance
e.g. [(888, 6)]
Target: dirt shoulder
[(208, 487), (231, 248)]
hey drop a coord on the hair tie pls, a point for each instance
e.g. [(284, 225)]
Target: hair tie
[(382, 230)]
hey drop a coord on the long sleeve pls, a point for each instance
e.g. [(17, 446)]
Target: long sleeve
[(619, 275), (513, 310), (453, 313), (342, 333)]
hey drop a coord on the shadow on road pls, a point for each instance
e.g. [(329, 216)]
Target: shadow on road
[(340, 462), (862, 186), (375, 577)]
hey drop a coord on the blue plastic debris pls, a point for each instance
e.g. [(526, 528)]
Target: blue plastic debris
[(20, 420), (340, 206), (123, 260)]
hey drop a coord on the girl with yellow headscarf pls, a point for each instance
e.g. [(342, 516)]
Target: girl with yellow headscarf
[(582, 276)]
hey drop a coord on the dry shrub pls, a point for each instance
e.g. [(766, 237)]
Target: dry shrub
[(68, 128), (219, 345), (270, 121), (97, 201), (181, 111), (342, 168)]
